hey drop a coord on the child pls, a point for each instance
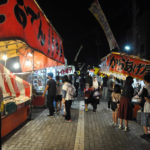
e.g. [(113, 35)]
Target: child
[(87, 95), (116, 94)]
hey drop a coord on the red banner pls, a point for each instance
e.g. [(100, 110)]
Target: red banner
[(125, 64), (24, 20)]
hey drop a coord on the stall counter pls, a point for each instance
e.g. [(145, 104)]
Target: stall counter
[(15, 119)]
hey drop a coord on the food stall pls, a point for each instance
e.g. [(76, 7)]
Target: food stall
[(16, 100), (40, 80), (122, 65), (28, 42)]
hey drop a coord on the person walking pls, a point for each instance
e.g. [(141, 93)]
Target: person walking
[(58, 94), (116, 95), (145, 115), (67, 97), (51, 87), (96, 93), (125, 109)]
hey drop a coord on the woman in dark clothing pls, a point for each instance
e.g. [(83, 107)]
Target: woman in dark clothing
[(125, 109)]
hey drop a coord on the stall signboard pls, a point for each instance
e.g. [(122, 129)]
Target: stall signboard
[(24, 20), (65, 71), (123, 64)]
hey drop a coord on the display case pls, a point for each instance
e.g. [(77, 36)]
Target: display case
[(39, 83)]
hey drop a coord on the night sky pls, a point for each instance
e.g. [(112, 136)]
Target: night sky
[(76, 25)]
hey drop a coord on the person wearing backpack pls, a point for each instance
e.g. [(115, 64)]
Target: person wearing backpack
[(68, 92)]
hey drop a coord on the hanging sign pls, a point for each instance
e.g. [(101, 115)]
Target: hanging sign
[(66, 71), (125, 64), (24, 20)]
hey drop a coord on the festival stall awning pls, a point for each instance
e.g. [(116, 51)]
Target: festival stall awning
[(23, 26), (12, 85), (122, 65)]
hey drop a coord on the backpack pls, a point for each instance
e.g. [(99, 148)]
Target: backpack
[(96, 93), (71, 91)]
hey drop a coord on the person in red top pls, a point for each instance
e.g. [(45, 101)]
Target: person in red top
[(87, 95)]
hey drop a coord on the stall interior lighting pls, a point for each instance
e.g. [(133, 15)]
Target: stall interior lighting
[(28, 63), (4, 57), (16, 66), (30, 54)]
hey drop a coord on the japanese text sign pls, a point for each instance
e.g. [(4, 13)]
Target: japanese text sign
[(126, 65), (24, 20)]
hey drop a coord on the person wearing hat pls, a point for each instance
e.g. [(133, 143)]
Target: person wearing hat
[(51, 87)]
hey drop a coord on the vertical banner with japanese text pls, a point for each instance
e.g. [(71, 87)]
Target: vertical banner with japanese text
[(98, 13), (24, 20)]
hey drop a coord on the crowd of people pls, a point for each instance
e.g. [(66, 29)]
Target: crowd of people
[(117, 93), (65, 92), (119, 97)]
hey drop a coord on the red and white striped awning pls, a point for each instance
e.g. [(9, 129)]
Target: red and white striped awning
[(13, 85)]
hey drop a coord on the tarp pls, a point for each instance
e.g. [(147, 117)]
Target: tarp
[(12, 85), (121, 64), (23, 20)]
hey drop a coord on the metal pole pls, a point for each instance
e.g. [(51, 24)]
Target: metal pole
[(32, 84)]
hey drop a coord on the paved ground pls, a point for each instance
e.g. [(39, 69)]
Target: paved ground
[(88, 131)]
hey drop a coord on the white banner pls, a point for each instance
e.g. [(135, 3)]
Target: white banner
[(98, 13)]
